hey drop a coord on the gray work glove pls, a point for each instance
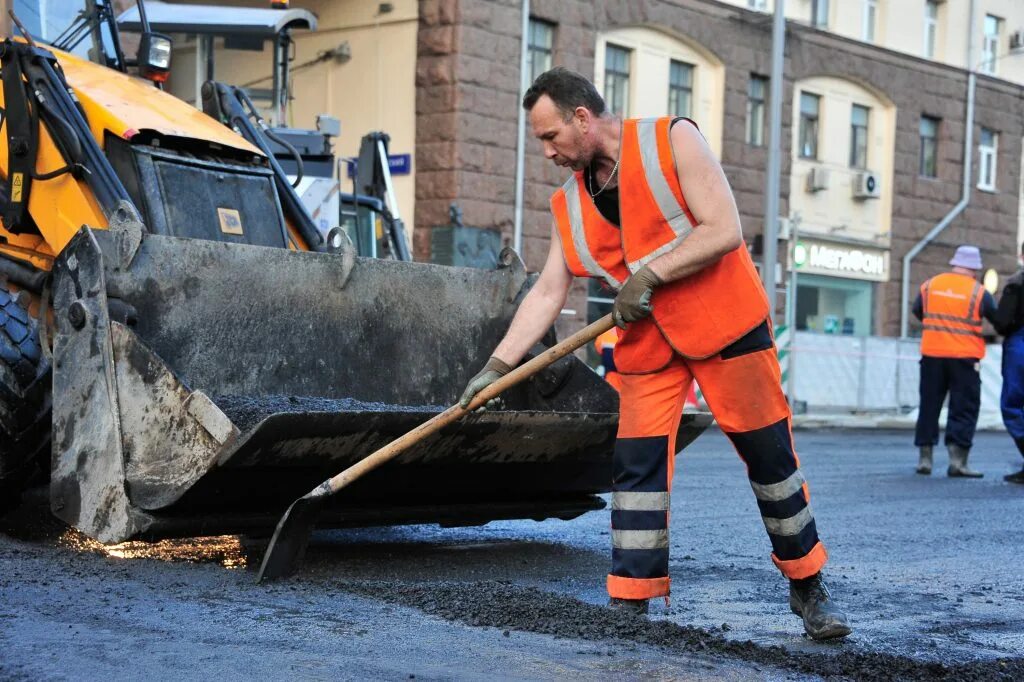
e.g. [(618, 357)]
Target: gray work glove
[(492, 371), (634, 299)]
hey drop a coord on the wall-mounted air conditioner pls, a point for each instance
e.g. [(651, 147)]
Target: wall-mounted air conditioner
[(817, 179), (867, 185), (1017, 40)]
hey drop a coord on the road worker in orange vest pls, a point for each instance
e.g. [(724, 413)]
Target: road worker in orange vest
[(951, 306), (605, 346), (648, 210)]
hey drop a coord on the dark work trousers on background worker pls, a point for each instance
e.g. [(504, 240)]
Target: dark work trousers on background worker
[(960, 378)]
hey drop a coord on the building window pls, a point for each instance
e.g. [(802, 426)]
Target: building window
[(616, 79), (819, 14), (869, 19), (680, 89), (927, 164), (809, 106), (757, 97), (541, 42), (859, 136), (931, 27), (987, 149), (990, 44)]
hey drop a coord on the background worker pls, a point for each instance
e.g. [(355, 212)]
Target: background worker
[(605, 347), (951, 307), (649, 210), (1010, 323)]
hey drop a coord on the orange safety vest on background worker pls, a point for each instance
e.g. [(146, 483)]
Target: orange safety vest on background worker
[(710, 327), (605, 346), (951, 314)]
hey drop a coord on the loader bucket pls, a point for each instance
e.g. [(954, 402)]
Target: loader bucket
[(200, 387)]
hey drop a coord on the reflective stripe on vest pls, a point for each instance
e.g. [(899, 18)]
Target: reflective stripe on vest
[(579, 237), (671, 210)]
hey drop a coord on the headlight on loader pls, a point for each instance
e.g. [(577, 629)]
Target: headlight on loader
[(155, 57)]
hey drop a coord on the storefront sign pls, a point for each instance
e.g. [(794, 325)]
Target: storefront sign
[(842, 260)]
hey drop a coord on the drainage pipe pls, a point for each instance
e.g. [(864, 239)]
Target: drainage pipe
[(965, 197)]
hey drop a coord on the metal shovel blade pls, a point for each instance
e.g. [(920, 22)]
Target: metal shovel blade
[(291, 537)]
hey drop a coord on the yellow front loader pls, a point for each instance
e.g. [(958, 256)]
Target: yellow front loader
[(182, 353)]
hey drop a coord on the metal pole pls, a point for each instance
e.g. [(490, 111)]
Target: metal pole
[(771, 185), (524, 56), (794, 230), (965, 196)]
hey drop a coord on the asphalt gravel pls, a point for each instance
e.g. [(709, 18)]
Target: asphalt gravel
[(929, 569)]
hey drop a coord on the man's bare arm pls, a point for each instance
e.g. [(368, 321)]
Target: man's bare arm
[(711, 202), (539, 309)]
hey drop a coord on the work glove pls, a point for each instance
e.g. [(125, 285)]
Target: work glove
[(492, 371), (634, 299)]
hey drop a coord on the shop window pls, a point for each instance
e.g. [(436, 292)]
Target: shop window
[(616, 79), (987, 149), (927, 164), (810, 105), (833, 305), (680, 89), (757, 97), (541, 44), (931, 27)]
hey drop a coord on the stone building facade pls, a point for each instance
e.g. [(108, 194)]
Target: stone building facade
[(467, 86)]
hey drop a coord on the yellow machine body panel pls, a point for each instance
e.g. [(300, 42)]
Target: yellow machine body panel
[(115, 104)]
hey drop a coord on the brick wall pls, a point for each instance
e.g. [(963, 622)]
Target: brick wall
[(467, 92)]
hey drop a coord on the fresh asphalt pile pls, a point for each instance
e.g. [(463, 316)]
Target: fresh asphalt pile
[(248, 411), (507, 606)]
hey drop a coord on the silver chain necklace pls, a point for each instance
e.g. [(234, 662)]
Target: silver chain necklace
[(615, 168)]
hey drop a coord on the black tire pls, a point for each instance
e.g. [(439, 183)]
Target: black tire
[(25, 400)]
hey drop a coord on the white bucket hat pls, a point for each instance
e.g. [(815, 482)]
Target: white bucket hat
[(967, 257)]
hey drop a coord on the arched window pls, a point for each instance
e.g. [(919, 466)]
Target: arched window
[(647, 72)]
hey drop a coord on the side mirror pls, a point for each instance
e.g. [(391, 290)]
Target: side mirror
[(154, 58)]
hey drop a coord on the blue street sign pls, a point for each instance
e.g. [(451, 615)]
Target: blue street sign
[(399, 164)]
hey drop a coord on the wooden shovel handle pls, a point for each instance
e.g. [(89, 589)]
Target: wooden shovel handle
[(455, 412)]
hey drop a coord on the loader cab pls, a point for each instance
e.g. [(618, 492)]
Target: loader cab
[(88, 29)]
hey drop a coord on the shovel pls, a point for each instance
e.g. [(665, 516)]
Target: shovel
[(293, 530)]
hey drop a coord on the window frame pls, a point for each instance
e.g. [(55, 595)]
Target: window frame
[(855, 129), (535, 48), (869, 21), (677, 89), (817, 20), (620, 78), (988, 155), (755, 133), (990, 45), (931, 28), (923, 139), (804, 119)]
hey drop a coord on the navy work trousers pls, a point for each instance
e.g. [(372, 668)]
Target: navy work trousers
[(1012, 399), (960, 378)]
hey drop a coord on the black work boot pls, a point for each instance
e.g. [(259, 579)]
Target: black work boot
[(958, 463), (809, 599), (924, 460), (636, 607)]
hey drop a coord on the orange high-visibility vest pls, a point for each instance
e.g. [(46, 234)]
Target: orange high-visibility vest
[(951, 313), (698, 315)]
